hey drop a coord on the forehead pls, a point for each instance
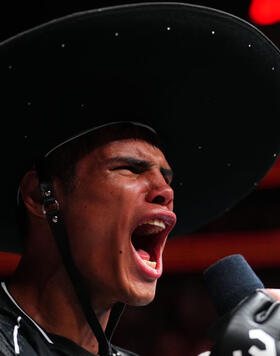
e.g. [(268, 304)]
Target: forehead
[(137, 148), (115, 150)]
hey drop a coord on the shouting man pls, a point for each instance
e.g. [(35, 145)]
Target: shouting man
[(88, 181)]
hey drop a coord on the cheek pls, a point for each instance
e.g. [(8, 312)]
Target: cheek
[(122, 191), (99, 213), (102, 217)]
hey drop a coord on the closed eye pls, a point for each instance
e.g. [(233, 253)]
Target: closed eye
[(137, 166), (133, 169), (131, 164)]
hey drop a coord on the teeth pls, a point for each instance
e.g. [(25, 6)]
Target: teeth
[(155, 222), (152, 226), (151, 264)]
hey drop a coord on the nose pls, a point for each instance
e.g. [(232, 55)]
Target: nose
[(161, 193)]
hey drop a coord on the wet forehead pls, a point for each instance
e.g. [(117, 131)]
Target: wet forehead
[(134, 152), (134, 148)]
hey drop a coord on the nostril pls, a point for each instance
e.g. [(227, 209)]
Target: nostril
[(159, 199), (161, 195)]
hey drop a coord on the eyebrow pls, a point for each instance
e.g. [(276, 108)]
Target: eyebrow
[(144, 165)]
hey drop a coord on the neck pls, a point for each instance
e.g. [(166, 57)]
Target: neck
[(47, 296)]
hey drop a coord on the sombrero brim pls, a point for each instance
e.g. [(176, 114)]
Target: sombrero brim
[(206, 81)]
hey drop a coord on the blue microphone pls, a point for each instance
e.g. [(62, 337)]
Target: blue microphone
[(229, 281)]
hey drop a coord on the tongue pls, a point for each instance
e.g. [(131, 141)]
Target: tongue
[(143, 254)]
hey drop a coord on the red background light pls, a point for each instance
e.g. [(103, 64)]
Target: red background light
[(265, 12)]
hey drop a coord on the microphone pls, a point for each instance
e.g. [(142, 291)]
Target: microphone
[(229, 281)]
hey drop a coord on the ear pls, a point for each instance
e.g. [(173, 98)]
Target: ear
[(30, 193)]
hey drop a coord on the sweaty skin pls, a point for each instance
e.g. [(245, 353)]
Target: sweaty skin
[(118, 187)]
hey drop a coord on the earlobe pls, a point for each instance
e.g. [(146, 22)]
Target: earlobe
[(30, 193)]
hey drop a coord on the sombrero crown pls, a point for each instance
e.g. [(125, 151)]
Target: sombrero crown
[(207, 81)]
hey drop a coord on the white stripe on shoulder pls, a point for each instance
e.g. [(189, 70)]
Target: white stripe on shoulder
[(3, 285), (15, 336)]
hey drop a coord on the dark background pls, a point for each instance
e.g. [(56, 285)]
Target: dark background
[(17, 16), (178, 320)]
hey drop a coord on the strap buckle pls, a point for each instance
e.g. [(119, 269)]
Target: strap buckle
[(50, 206)]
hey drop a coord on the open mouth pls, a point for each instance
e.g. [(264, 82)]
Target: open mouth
[(147, 240)]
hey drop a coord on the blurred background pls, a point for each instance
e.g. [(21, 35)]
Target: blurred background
[(177, 322)]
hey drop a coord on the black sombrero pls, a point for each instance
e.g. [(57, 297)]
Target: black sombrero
[(206, 81)]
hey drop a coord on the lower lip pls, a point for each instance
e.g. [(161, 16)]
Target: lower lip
[(147, 271)]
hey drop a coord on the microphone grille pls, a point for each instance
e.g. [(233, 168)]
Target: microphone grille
[(230, 280)]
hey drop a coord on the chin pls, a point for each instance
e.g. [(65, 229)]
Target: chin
[(142, 298)]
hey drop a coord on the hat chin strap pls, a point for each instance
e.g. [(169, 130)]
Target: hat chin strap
[(51, 209)]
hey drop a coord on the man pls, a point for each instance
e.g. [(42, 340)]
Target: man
[(96, 206), (117, 226)]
